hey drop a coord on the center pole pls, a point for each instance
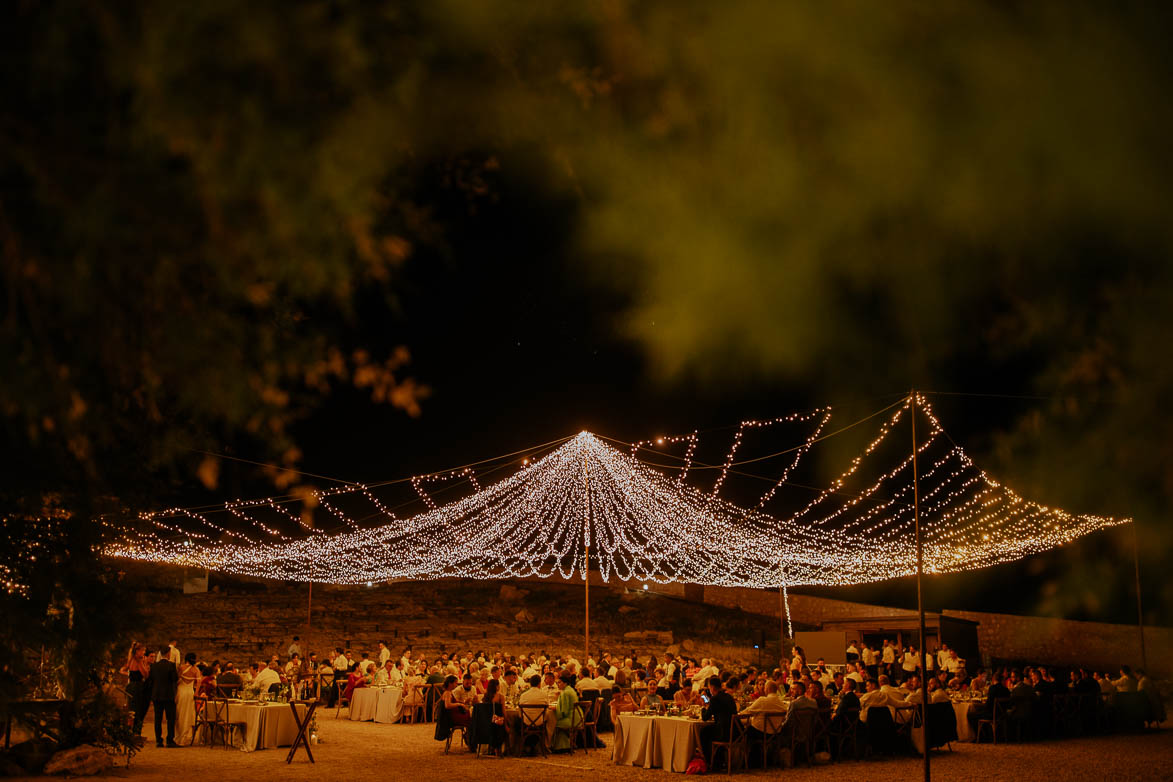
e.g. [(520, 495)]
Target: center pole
[(586, 561), (305, 653), (920, 603), (1144, 662)]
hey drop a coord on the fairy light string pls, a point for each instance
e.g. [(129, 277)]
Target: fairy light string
[(646, 525)]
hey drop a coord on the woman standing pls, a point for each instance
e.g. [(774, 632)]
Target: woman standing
[(138, 668), (189, 674)]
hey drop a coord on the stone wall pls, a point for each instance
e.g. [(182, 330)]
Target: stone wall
[(1064, 642), (247, 618)]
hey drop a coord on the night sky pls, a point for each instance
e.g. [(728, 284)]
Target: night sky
[(637, 219)]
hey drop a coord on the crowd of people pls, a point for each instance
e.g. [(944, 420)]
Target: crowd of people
[(884, 675)]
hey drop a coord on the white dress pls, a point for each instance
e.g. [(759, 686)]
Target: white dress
[(185, 707)]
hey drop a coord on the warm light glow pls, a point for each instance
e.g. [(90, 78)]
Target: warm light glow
[(646, 526)]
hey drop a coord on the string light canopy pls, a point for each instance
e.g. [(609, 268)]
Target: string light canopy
[(641, 522)]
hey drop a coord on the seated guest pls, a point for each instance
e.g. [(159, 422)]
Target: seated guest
[(799, 701), (854, 674), (985, 710), (458, 712), (511, 687), (936, 694), (1020, 688), (848, 700), (229, 678), (816, 694), (916, 692), (652, 699), (1126, 682), (621, 702), (293, 667), (497, 731), (265, 677), (565, 713), (683, 696), (872, 696), (535, 695), (720, 710), (550, 685), (207, 684), (355, 680), (770, 702)]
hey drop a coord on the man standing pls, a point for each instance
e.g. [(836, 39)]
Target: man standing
[(384, 654), (162, 684), (294, 648)]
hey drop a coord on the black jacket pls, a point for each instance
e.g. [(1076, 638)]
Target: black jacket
[(163, 681), (721, 710)]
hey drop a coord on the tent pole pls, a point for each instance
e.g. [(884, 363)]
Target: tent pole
[(309, 624), (1144, 662), (781, 630), (586, 563), (920, 603)]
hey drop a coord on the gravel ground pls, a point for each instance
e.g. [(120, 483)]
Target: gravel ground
[(362, 751)]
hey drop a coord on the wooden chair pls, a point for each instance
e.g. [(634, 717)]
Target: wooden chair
[(204, 719), (417, 711), (821, 731), (533, 723), (799, 730), (575, 729), (219, 723), (773, 735), (845, 730), (737, 745), (996, 722), (590, 724)]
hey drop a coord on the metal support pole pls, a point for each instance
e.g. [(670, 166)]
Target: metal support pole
[(586, 562), (782, 630), (1144, 662), (920, 603)]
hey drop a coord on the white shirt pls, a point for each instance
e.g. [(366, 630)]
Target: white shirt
[(1125, 684), (909, 662), (704, 674), (461, 695), (293, 649), (172, 655), (852, 650), (341, 663), (942, 656), (855, 676), (394, 675), (534, 695), (939, 696), (772, 702), (952, 664), (869, 656), (384, 656), (265, 678), (889, 655)]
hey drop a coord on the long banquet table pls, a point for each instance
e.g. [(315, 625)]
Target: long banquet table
[(656, 742), (380, 704), (266, 725)]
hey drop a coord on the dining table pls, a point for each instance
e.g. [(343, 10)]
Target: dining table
[(376, 704), (266, 725), (655, 741)]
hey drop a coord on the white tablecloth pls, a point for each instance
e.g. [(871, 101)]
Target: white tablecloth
[(656, 742), (265, 725), (381, 704)]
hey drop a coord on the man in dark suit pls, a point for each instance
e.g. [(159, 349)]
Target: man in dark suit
[(162, 684), (982, 711), (230, 680), (721, 709)]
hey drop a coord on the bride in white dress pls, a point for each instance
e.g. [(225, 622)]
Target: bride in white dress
[(189, 674)]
